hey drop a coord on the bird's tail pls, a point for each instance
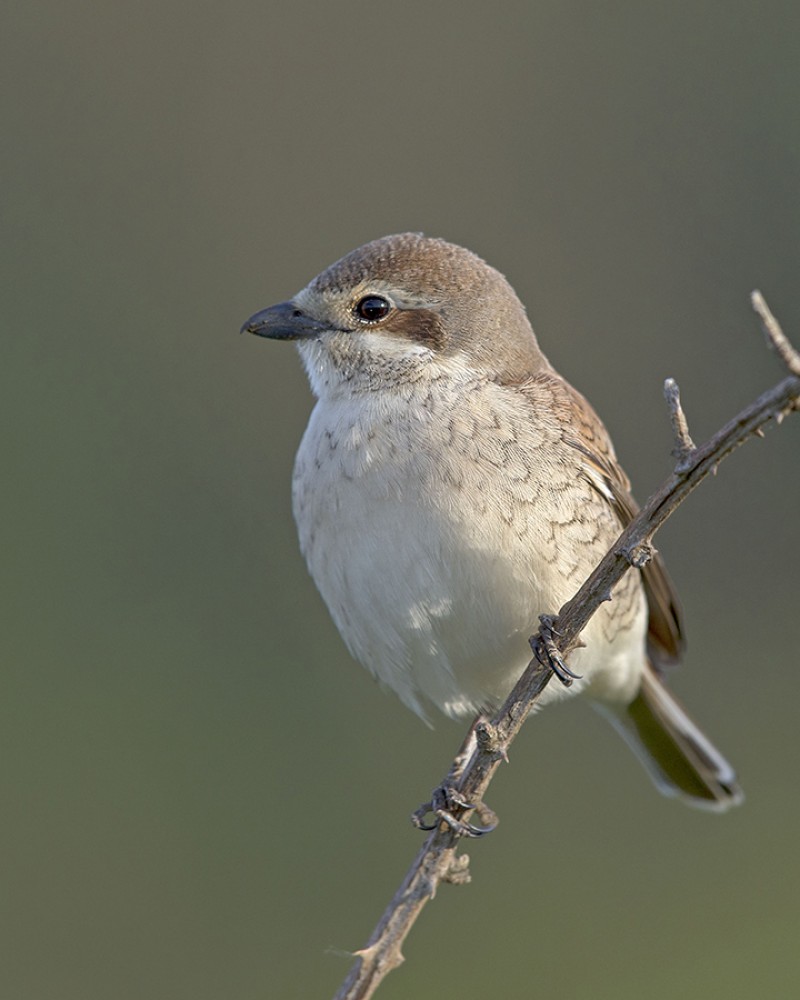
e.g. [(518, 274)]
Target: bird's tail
[(679, 757)]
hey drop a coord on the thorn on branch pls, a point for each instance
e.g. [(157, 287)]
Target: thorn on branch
[(684, 446), (639, 555), (775, 335), (489, 740)]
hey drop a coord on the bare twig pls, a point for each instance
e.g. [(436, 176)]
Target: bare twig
[(684, 446), (436, 861), (777, 338)]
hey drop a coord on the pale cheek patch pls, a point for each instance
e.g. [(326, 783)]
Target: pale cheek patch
[(383, 345)]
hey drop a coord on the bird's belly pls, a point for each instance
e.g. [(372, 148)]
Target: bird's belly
[(434, 585), (425, 607)]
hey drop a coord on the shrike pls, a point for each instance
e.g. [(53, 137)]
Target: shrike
[(451, 487)]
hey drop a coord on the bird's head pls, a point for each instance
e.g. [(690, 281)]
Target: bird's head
[(404, 308)]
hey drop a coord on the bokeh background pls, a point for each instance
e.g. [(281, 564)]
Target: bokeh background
[(202, 795)]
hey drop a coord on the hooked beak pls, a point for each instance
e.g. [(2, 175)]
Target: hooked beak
[(284, 322)]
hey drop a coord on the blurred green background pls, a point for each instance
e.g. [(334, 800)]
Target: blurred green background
[(203, 796)]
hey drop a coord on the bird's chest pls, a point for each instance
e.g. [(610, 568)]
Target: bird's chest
[(418, 500), (363, 471), (392, 471)]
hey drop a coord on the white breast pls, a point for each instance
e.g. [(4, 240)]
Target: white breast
[(427, 521)]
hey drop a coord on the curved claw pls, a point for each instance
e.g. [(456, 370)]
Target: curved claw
[(462, 829), (418, 817), (548, 654), (561, 670), (442, 802)]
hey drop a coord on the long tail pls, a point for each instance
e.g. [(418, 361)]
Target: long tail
[(679, 757)]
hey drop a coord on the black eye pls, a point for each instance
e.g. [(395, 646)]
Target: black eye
[(373, 308)]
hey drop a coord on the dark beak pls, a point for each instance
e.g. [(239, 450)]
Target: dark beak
[(284, 322)]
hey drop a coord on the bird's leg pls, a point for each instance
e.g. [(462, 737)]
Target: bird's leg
[(447, 800), (545, 649)]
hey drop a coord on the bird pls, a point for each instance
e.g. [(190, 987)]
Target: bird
[(451, 487)]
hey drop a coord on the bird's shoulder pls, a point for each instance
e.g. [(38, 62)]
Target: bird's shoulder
[(551, 398)]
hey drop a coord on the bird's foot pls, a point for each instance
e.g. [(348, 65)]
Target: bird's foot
[(545, 649), (446, 803)]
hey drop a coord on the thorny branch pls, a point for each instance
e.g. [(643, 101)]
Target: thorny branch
[(436, 861)]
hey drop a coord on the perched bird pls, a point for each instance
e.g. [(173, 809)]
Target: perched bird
[(451, 487)]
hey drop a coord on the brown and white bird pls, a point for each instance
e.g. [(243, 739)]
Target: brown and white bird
[(451, 487)]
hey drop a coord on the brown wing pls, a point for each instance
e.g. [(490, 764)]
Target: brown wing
[(584, 431)]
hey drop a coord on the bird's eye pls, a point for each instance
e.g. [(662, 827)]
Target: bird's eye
[(372, 308)]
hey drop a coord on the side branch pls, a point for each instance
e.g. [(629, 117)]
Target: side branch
[(684, 446), (436, 861), (788, 355)]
